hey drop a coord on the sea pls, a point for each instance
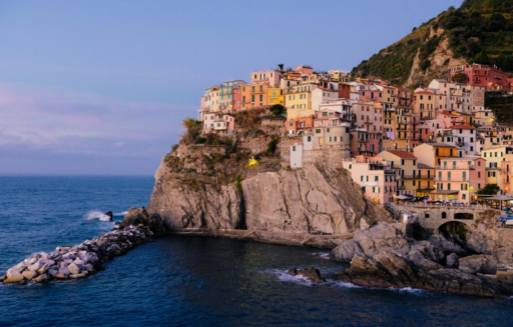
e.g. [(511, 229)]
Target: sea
[(187, 280)]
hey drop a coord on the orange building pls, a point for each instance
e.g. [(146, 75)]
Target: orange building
[(254, 95)]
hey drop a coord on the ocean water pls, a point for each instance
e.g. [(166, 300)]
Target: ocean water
[(191, 281)]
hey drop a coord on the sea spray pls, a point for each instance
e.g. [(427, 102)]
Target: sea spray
[(98, 215)]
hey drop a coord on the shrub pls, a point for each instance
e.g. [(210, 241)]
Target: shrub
[(193, 129), (489, 189), (425, 64), (278, 110)]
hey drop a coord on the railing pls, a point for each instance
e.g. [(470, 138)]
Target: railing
[(445, 206)]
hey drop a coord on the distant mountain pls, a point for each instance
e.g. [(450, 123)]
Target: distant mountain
[(479, 31)]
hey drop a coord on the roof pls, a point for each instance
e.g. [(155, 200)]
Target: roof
[(463, 126), (402, 154)]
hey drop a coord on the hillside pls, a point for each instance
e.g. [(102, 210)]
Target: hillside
[(479, 31)]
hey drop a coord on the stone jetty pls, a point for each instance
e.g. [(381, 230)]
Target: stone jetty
[(80, 260)]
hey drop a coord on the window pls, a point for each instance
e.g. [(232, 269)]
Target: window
[(376, 178), (444, 215)]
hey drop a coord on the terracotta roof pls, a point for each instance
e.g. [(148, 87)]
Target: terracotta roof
[(403, 154)]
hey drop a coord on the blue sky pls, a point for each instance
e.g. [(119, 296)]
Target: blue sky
[(101, 87)]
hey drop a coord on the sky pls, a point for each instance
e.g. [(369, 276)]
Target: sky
[(96, 87)]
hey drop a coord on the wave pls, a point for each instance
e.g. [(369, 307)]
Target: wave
[(284, 276), (341, 284), (322, 255), (409, 290), (96, 214)]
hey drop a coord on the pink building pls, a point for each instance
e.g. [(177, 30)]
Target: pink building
[(489, 77), (458, 178), (368, 115), (365, 143), (236, 98), (375, 177)]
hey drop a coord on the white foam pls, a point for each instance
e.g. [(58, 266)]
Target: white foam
[(121, 214), (342, 284), (96, 214), (284, 276), (322, 255), (409, 290)]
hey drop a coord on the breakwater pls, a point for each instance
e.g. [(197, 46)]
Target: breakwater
[(78, 261)]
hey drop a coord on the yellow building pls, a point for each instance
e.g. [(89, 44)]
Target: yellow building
[(275, 96), (299, 102), (494, 157), (432, 154)]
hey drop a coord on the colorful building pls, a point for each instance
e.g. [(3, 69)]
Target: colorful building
[(375, 178)]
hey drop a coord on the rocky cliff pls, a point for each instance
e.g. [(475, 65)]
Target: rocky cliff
[(210, 187)]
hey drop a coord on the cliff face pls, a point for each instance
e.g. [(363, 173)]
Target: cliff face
[(210, 187), (312, 200)]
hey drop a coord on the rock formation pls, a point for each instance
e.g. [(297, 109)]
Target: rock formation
[(384, 256), (210, 187)]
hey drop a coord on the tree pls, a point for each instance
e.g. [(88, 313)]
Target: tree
[(497, 23), (193, 129), (278, 110), (424, 64), (489, 189)]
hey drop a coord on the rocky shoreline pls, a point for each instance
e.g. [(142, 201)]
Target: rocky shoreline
[(80, 260), (384, 256)]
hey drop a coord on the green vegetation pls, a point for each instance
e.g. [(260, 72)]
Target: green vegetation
[(393, 63), (193, 129), (272, 146), (489, 189), (502, 106), (480, 31), (278, 110)]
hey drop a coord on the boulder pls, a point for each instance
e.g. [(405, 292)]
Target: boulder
[(13, 276), (479, 263), (41, 278), (28, 274), (345, 251), (451, 261), (73, 268)]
